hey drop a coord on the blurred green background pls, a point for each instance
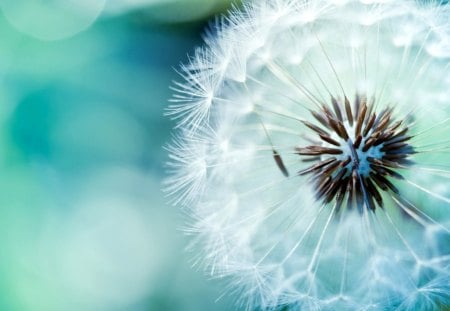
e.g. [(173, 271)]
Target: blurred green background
[(84, 225)]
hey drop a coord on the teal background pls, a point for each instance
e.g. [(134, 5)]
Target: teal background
[(84, 225)]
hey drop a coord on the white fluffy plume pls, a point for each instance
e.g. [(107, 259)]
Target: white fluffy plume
[(245, 112)]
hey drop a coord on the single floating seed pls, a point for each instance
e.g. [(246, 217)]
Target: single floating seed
[(280, 163)]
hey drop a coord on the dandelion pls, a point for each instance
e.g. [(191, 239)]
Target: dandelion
[(312, 154)]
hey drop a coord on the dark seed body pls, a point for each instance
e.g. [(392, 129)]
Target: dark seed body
[(339, 174)]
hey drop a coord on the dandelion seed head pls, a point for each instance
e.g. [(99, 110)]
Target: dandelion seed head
[(312, 154)]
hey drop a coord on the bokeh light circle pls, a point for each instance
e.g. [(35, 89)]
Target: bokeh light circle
[(51, 19)]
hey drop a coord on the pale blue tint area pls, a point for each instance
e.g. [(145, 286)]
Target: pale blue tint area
[(84, 224)]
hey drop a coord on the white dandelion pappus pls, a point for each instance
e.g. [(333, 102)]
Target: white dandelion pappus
[(313, 157)]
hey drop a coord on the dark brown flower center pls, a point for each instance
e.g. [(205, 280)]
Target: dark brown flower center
[(360, 150)]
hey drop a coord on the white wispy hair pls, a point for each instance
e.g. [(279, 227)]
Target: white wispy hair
[(243, 110)]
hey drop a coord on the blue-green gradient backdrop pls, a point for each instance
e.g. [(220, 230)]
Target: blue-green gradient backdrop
[(83, 87)]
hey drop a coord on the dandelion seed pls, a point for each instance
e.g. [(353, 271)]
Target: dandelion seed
[(313, 157)]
